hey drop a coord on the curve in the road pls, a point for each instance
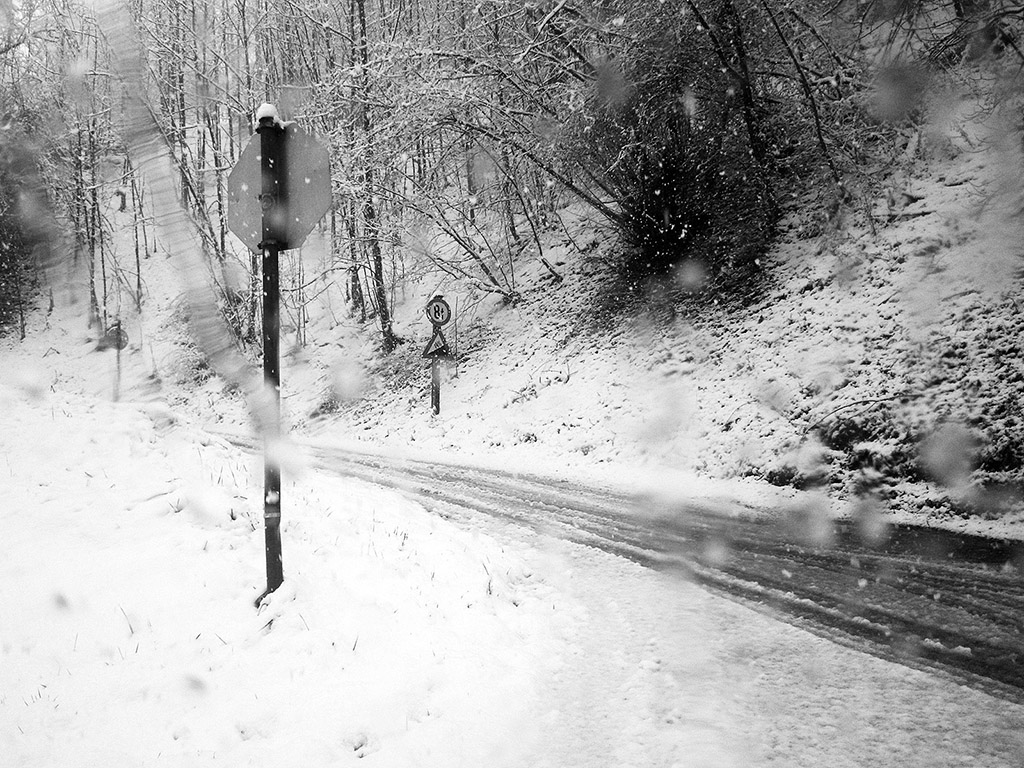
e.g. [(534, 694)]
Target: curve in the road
[(921, 596)]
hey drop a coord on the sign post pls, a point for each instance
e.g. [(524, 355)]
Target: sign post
[(274, 205), (277, 192), (117, 338), (439, 314), (435, 386)]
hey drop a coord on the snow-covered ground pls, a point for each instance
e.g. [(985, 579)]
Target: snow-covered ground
[(128, 637)]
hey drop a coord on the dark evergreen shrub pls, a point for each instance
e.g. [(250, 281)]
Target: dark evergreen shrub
[(15, 274), (682, 192), (679, 151)]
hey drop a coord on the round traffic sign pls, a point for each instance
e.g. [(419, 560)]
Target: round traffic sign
[(438, 311), (115, 337)]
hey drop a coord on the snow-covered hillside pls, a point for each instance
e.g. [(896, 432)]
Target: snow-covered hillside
[(867, 336)]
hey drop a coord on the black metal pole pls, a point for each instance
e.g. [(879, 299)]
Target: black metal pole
[(272, 429), (274, 215), (435, 385), (117, 346)]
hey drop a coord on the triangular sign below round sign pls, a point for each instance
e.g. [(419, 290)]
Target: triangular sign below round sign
[(437, 346)]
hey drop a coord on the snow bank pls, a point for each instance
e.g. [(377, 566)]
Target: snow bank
[(133, 554)]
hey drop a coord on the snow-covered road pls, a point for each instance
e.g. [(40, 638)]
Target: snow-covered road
[(678, 676), (920, 596), (662, 673), (717, 683)]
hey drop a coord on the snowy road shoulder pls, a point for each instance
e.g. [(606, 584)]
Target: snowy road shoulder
[(128, 635), (664, 674)]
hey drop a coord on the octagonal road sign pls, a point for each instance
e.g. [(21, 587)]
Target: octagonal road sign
[(307, 185)]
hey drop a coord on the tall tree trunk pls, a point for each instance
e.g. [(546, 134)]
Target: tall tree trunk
[(370, 221), (130, 173)]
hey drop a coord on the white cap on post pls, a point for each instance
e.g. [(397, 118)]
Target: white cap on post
[(268, 110)]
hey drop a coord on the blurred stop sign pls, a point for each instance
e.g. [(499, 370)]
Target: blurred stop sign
[(307, 185)]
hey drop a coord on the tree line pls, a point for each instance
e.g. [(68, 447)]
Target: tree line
[(458, 130)]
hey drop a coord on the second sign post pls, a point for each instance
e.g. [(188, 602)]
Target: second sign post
[(439, 314), (274, 204)]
